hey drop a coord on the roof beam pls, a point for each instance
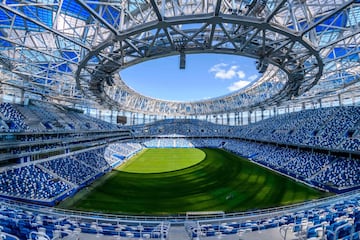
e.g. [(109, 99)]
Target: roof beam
[(198, 32), (131, 45), (37, 50), (337, 10), (217, 8), (188, 38), (40, 24), (156, 10), (98, 17), (152, 42), (229, 39), (169, 37), (250, 39), (272, 14), (212, 33)]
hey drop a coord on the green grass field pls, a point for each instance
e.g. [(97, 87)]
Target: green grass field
[(162, 160), (220, 181)]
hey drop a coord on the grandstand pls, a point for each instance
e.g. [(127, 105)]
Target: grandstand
[(67, 118)]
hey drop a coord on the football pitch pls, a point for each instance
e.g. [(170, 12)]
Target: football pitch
[(173, 181), (163, 160)]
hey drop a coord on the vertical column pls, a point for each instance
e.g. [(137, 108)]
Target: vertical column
[(340, 100), (22, 94), (111, 115)]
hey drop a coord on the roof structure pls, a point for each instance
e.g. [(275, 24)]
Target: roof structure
[(73, 51)]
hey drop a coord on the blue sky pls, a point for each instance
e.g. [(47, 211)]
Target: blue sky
[(205, 76)]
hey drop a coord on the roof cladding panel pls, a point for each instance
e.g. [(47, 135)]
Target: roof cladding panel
[(351, 53), (354, 16), (333, 22), (111, 15), (72, 8), (3, 42), (8, 19), (71, 55)]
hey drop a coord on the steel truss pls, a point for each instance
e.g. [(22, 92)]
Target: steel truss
[(74, 51)]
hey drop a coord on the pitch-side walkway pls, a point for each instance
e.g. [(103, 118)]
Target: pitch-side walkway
[(179, 233)]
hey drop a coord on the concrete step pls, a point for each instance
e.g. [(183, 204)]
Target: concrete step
[(178, 232)]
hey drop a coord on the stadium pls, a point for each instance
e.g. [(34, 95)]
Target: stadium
[(85, 156)]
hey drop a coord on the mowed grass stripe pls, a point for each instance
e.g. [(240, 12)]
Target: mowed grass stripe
[(222, 181), (154, 160)]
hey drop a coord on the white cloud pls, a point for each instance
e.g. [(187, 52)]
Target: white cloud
[(232, 72), (238, 85), (218, 67), (224, 71), (241, 74)]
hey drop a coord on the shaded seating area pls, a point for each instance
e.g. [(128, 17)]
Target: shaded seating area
[(70, 169), (50, 181), (31, 182)]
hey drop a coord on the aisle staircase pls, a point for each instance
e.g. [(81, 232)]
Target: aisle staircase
[(178, 232)]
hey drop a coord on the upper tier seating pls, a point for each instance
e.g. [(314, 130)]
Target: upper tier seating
[(330, 128), (42, 116), (313, 167), (15, 120)]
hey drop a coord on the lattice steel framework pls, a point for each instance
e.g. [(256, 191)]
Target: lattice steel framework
[(73, 50)]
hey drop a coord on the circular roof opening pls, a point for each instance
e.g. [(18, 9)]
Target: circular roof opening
[(204, 76)]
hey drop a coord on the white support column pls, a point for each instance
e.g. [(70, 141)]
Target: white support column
[(339, 99)]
